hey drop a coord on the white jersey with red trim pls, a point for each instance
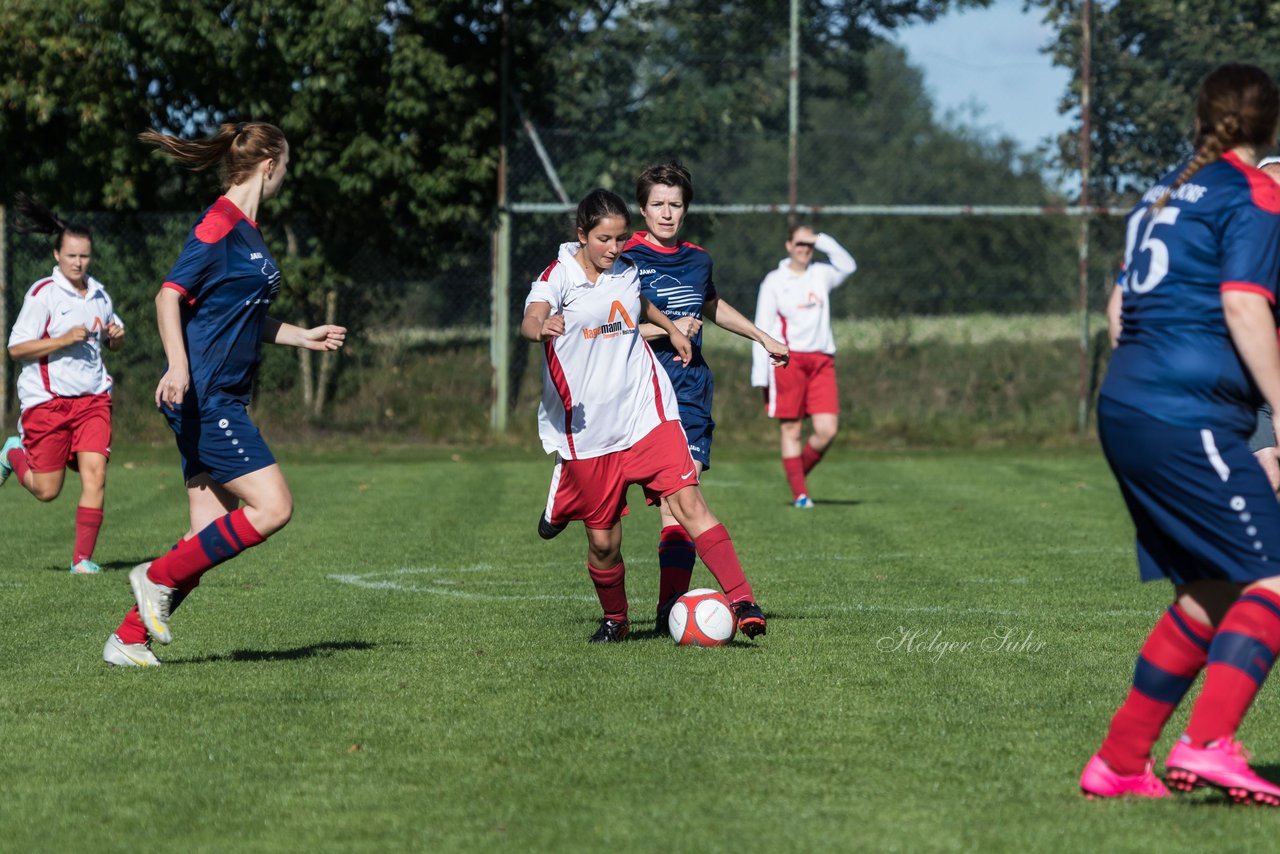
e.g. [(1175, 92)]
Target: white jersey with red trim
[(795, 308), (53, 307), (602, 388)]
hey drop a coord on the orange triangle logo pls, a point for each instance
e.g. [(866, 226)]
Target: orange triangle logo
[(617, 309)]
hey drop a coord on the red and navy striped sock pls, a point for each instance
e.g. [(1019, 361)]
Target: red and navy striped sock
[(221, 540), (88, 523), (676, 557), (611, 588), (1171, 657), (721, 558), (810, 457), (1239, 660), (795, 475)]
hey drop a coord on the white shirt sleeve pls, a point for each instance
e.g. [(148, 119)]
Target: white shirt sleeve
[(547, 292), (31, 322), (841, 262), (767, 320)]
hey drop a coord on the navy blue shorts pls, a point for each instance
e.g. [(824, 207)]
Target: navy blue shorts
[(217, 437), (1201, 504), (695, 389)]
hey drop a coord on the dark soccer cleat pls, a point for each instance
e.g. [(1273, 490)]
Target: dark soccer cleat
[(750, 618), (548, 531), (611, 631)]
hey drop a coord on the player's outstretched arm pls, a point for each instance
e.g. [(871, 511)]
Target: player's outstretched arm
[(680, 341), (323, 337), (688, 325), (727, 317)]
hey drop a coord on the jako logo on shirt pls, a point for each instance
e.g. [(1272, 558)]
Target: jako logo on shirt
[(614, 327)]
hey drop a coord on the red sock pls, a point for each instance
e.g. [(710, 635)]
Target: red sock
[(1240, 658), (18, 462), (810, 457), (717, 552), (676, 556), (1171, 657), (132, 630), (221, 540), (795, 475), (88, 523), (611, 588)]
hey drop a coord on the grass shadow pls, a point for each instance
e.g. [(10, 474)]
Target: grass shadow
[(295, 654)]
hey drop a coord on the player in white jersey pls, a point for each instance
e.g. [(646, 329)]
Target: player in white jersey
[(64, 389), (795, 306), (609, 414)]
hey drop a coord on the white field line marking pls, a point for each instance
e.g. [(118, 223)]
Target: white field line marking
[(442, 585)]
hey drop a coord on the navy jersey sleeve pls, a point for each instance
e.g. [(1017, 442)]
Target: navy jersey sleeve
[(1251, 251), (195, 268)]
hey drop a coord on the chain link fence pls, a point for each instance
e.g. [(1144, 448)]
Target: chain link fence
[(424, 357)]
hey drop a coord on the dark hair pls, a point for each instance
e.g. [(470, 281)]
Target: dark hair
[(35, 218), (671, 174), (235, 149), (791, 231), (597, 205), (1238, 104)]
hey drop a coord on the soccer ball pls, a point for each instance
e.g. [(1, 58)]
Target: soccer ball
[(702, 618)]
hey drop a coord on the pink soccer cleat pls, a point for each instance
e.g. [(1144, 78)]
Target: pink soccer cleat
[(1099, 781), (1223, 764)]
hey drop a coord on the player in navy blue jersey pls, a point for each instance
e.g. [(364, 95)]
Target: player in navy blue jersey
[(212, 314), (1197, 353), (676, 277)]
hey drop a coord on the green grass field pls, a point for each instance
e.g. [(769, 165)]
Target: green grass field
[(405, 668)]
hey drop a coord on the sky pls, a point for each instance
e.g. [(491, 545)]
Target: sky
[(989, 60)]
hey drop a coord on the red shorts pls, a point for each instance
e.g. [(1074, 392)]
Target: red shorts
[(54, 431), (806, 386), (595, 490)]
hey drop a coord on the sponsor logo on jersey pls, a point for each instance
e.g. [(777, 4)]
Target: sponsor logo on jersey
[(1186, 193), (620, 323)]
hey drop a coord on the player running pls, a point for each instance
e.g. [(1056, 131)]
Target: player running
[(676, 277), (64, 389), (609, 414), (1197, 352), (795, 304), (212, 314)]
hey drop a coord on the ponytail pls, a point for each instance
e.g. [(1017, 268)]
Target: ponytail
[(36, 218), (235, 148)]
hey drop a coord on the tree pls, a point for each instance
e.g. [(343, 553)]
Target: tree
[(1148, 57)]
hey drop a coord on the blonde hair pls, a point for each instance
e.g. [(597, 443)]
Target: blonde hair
[(235, 149)]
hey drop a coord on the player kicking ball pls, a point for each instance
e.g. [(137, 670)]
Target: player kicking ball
[(610, 416)]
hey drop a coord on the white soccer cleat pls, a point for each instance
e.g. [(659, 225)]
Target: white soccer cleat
[(154, 601), (122, 654)]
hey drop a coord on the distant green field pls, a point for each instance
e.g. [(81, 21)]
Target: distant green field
[(405, 668)]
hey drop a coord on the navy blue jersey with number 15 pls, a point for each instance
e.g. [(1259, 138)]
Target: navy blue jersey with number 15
[(1219, 231)]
